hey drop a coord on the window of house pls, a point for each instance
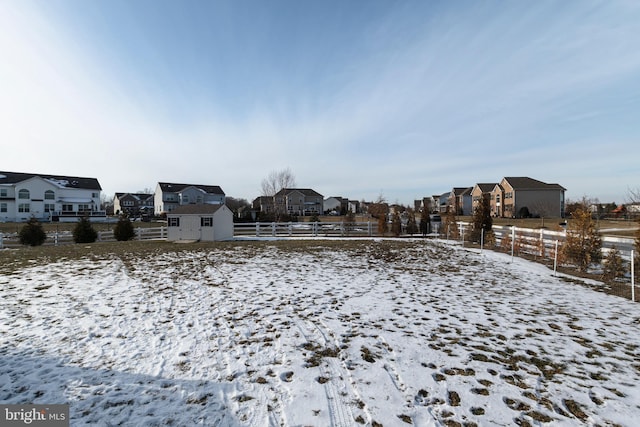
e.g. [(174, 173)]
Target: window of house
[(94, 195), (206, 222), (185, 199), (49, 195), (3, 207), (173, 222), (84, 208), (23, 194), (199, 200), (49, 207), (24, 207), (3, 192), (67, 208), (497, 198)]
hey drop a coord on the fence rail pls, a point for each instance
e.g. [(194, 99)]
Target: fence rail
[(530, 240), (537, 242)]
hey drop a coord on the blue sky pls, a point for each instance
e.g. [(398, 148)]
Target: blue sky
[(359, 98)]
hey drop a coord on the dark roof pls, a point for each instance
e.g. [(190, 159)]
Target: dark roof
[(526, 183), (305, 191), (139, 196), (195, 209), (59, 180), (487, 187), (170, 187), (461, 191)]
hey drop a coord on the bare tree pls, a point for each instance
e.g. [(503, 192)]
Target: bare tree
[(276, 181), (633, 194)]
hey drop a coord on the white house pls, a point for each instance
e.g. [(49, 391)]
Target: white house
[(169, 196), (48, 197), (200, 222)]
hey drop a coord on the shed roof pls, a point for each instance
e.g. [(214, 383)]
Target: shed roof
[(195, 209)]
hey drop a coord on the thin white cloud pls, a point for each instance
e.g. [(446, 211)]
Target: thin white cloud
[(457, 100)]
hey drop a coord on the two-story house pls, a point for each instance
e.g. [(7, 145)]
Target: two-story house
[(460, 200), (169, 196), (486, 190), (133, 204), (524, 196), (48, 197), (298, 201)]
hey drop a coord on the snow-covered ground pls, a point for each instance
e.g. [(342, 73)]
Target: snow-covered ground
[(322, 334)]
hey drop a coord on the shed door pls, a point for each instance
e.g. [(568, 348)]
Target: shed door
[(190, 228)]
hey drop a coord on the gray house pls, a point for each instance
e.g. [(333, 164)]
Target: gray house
[(200, 222), (522, 196), (169, 196)]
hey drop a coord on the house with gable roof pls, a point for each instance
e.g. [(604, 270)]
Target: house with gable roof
[(299, 201), (486, 190), (49, 197), (169, 196), (460, 200), (522, 196), (133, 204)]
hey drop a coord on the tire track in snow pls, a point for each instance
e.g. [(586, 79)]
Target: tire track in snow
[(339, 409)]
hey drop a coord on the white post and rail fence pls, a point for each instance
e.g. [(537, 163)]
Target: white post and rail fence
[(538, 242)]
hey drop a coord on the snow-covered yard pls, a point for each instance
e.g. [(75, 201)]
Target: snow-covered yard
[(317, 333)]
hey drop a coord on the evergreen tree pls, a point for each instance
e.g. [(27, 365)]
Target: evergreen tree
[(412, 227), (83, 232), (481, 219), (382, 225), (425, 223), (32, 233), (124, 229), (349, 222), (396, 224), (614, 267), (583, 245), (450, 225)]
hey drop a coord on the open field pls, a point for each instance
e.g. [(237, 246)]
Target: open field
[(320, 333)]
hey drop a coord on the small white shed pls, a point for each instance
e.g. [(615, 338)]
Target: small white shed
[(200, 222)]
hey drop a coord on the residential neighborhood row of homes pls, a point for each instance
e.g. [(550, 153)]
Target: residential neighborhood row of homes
[(66, 198)]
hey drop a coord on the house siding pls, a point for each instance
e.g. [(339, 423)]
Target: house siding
[(48, 198)]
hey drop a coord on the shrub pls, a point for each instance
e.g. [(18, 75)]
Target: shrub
[(84, 232), (614, 267), (396, 224), (32, 233), (123, 229), (349, 222), (583, 245), (412, 226)]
